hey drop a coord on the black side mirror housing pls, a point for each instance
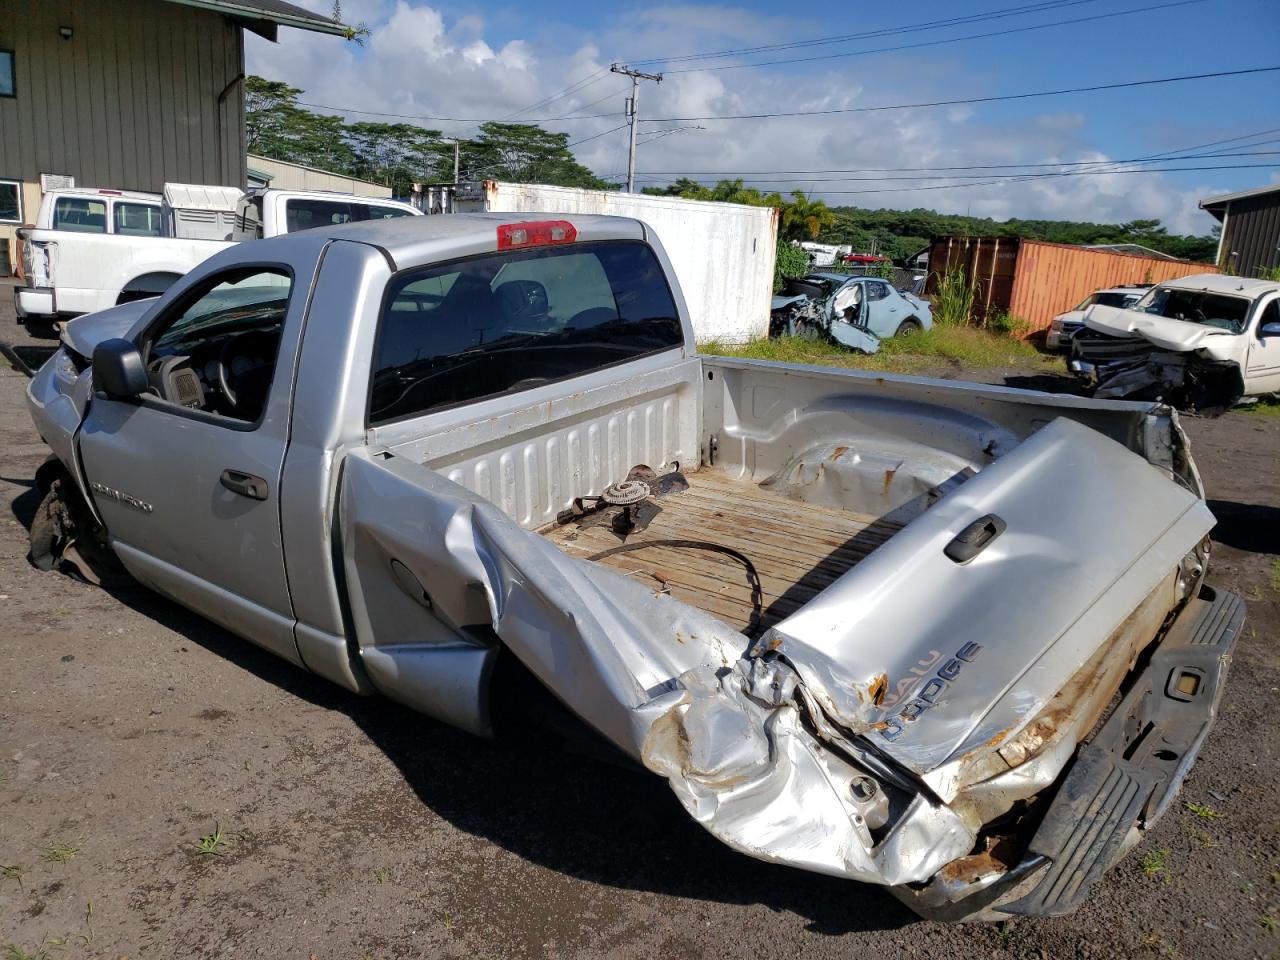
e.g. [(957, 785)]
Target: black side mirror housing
[(118, 370)]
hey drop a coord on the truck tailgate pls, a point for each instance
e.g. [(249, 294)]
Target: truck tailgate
[(933, 656)]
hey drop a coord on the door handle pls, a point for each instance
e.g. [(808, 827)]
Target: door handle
[(974, 538), (245, 484)]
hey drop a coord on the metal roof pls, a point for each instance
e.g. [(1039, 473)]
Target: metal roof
[(1226, 198), (264, 16)]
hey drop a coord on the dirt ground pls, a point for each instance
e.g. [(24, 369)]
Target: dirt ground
[(130, 729)]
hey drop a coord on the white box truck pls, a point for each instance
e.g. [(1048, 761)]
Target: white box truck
[(723, 253)]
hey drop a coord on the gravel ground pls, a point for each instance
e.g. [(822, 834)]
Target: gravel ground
[(130, 729)]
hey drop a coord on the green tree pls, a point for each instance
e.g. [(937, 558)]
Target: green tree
[(805, 219), (525, 153)]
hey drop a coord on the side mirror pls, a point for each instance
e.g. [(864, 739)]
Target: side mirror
[(118, 370), (1269, 330)]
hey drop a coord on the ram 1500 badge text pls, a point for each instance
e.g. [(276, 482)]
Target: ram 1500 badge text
[(396, 454)]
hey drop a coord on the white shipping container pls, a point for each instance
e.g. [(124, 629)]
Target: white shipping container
[(722, 253)]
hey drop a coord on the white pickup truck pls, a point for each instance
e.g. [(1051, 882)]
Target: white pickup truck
[(91, 249), (1202, 342), (429, 457)]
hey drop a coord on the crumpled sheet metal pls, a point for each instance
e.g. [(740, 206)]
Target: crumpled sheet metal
[(752, 774), (663, 681)]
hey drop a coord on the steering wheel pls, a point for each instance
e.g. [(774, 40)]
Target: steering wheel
[(225, 374)]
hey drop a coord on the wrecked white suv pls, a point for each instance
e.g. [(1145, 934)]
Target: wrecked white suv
[(949, 638), (1202, 342)]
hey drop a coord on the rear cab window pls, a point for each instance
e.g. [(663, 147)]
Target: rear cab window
[(505, 322), (80, 214)]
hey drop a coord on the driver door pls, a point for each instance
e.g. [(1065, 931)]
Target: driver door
[(1262, 368), (187, 478)]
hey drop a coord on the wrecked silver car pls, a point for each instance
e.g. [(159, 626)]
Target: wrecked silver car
[(1200, 343), (399, 454), (854, 311)]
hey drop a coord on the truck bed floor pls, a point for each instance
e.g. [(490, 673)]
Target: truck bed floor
[(797, 548)]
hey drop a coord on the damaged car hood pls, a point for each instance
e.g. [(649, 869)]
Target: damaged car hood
[(84, 333), (1177, 335), (935, 661)]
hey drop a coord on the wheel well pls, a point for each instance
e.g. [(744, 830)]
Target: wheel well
[(49, 471), (147, 285)]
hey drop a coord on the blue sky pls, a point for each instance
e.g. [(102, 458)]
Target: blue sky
[(474, 60)]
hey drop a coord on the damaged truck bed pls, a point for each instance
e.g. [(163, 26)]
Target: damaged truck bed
[(952, 639)]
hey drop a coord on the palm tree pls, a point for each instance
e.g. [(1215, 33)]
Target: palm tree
[(805, 219)]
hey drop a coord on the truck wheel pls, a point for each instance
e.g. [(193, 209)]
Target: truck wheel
[(65, 537), (909, 325)]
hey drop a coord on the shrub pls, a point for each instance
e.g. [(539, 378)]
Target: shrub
[(791, 261), (1003, 322)]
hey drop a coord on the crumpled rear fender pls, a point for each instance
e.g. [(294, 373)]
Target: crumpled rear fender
[(666, 683)]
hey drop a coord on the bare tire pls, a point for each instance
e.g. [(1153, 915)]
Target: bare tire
[(909, 325)]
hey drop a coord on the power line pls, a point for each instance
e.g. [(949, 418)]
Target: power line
[(1045, 176), (935, 43), (588, 106), (869, 34), (971, 100), (620, 126), (582, 84), (411, 116), (775, 176)]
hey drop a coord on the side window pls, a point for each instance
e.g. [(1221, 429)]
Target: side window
[(876, 290), (136, 219), (80, 214), (1270, 315), (216, 349), (504, 322), (375, 212), (300, 214)]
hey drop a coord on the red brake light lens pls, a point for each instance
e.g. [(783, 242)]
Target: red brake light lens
[(536, 233)]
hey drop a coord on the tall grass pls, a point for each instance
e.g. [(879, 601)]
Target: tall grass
[(922, 352), (953, 303)]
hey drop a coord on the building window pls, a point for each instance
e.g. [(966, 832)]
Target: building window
[(10, 201), (8, 86)]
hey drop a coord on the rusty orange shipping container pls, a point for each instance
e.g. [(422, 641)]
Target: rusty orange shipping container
[(1035, 281)]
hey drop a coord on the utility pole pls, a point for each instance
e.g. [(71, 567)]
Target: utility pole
[(633, 114)]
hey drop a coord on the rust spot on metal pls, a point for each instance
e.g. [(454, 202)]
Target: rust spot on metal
[(776, 642), (838, 452), (878, 688), (679, 637), (888, 479)]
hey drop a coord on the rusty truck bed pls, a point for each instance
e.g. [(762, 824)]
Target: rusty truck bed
[(796, 548)]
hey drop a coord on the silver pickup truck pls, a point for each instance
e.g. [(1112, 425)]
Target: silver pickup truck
[(952, 639)]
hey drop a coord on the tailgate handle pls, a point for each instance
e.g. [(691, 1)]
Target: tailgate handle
[(975, 538), (245, 484)]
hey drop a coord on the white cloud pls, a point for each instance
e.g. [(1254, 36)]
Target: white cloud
[(420, 61)]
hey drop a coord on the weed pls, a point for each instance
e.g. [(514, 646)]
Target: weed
[(59, 851), (248, 764), (1265, 407), (382, 876), (1203, 811), (447, 920), (1275, 574), (210, 845), (1155, 865), (1268, 922), (11, 871), (1205, 840), (86, 939), (1275, 878), (1269, 273), (15, 952), (953, 303), (910, 353), (1004, 932)]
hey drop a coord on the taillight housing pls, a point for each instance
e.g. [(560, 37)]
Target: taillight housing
[(535, 233)]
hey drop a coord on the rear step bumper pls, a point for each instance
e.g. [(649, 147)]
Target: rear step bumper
[(1123, 779)]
